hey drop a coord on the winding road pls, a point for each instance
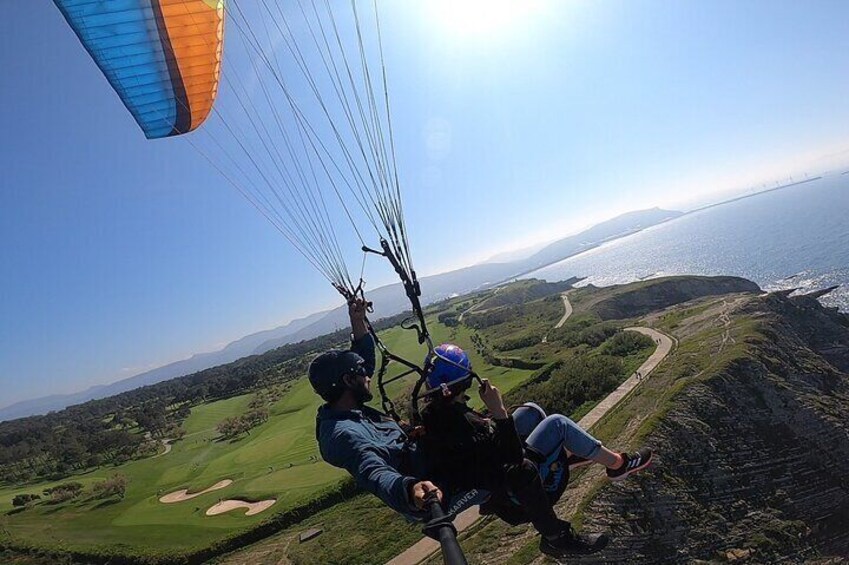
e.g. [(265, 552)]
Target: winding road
[(426, 547)]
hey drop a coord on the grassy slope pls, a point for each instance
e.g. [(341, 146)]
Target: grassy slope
[(359, 531)]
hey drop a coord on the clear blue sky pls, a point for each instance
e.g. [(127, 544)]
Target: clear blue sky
[(118, 254)]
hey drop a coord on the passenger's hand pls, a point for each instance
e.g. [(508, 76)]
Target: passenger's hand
[(491, 397), (420, 490)]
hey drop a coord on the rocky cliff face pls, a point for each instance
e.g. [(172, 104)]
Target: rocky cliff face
[(752, 459)]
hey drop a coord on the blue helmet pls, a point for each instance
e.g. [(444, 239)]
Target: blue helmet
[(450, 365)]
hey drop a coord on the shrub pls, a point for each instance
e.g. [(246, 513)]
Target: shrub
[(625, 343), (517, 342), (25, 499), (64, 486), (493, 317), (578, 380), (579, 334), (63, 492), (450, 319), (116, 485)]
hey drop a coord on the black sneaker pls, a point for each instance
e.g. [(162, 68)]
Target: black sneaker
[(576, 462), (633, 462), (569, 542)]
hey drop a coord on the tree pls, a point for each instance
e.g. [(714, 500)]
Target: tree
[(229, 427), (450, 319), (581, 379)]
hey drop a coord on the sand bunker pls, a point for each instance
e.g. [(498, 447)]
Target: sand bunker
[(228, 505), (182, 495)]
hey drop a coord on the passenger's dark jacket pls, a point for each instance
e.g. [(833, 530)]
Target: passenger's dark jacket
[(466, 450)]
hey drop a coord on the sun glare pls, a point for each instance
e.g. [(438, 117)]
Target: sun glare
[(481, 19)]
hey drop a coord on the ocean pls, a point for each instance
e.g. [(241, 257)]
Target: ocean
[(795, 237)]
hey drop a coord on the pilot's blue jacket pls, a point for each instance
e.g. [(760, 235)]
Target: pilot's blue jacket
[(372, 447)]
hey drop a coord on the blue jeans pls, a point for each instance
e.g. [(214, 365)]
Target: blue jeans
[(549, 434)]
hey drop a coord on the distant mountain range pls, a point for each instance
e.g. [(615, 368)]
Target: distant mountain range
[(236, 350), (389, 300)]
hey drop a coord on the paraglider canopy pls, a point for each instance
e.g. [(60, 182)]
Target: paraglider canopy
[(304, 132), (162, 57)]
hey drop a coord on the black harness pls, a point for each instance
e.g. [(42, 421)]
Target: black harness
[(416, 323)]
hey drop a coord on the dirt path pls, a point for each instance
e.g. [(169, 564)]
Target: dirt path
[(466, 311), (426, 547), (725, 319), (663, 348), (567, 306), (166, 442), (182, 495), (168, 446), (473, 306)]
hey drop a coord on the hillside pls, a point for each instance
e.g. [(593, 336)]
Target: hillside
[(245, 429), (619, 226), (714, 332), (749, 421), (752, 454), (391, 299), (633, 300)]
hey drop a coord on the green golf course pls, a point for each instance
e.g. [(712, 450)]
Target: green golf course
[(277, 460), (273, 462)]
